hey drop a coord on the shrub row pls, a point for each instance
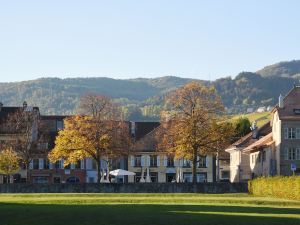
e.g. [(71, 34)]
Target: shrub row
[(280, 187)]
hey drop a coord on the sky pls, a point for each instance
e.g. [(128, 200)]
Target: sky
[(145, 38)]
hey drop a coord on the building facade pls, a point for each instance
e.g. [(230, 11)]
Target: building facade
[(273, 149)]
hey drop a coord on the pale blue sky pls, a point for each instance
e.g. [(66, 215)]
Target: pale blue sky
[(127, 39)]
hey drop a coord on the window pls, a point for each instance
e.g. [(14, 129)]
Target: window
[(259, 157), (201, 177), (170, 161), (57, 165), (72, 180), (137, 160), (298, 153), (202, 162), (94, 164), (186, 163), (40, 180), (153, 160), (298, 133), (225, 174), (292, 154), (188, 177), (59, 125), (289, 133), (56, 180), (153, 176), (35, 164), (78, 164), (264, 156), (42, 146), (46, 164)]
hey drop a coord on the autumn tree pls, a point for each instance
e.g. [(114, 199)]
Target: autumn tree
[(22, 125), (99, 133), (194, 125), (9, 162)]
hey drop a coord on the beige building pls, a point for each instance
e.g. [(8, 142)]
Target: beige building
[(273, 149), (160, 167)]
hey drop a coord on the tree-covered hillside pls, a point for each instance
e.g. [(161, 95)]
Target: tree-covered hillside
[(142, 98)]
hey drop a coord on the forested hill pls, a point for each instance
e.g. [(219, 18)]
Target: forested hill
[(142, 99)]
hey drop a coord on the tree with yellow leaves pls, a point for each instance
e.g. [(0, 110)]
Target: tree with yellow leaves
[(194, 125), (100, 134), (9, 162)]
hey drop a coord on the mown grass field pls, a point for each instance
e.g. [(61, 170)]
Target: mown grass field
[(142, 209)]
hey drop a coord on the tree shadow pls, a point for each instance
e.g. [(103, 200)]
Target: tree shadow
[(139, 214)]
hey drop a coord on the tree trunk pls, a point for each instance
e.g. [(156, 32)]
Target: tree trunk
[(28, 181), (194, 166), (98, 170)]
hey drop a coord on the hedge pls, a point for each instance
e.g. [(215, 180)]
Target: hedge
[(280, 187)]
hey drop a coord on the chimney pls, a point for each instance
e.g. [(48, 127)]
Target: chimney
[(254, 130), (280, 101), (24, 104)]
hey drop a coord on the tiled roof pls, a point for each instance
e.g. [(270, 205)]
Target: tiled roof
[(5, 111), (264, 141), (144, 128), (248, 139)]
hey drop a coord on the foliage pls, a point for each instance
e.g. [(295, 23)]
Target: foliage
[(279, 187), (61, 96), (23, 124), (195, 126), (100, 134), (242, 126), (9, 161)]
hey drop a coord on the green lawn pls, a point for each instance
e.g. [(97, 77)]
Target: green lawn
[(157, 209)]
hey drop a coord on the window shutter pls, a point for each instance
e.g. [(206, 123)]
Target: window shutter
[(82, 164), (206, 162), (198, 160), (31, 165), (297, 153), (286, 133), (132, 161), (166, 160), (158, 161), (62, 164), (148, 160), (286, 154), (298, 133), (41, 164), (72, 166), (142, 160)]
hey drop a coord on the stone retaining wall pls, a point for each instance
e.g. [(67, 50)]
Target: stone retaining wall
[(213, 188)]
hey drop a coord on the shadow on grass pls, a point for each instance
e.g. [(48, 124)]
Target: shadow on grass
[(15, 214)]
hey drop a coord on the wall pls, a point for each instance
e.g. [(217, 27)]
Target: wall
[(162, 169), (126, 188)]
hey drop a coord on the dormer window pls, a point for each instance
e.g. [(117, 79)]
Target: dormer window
[(297, 111)]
